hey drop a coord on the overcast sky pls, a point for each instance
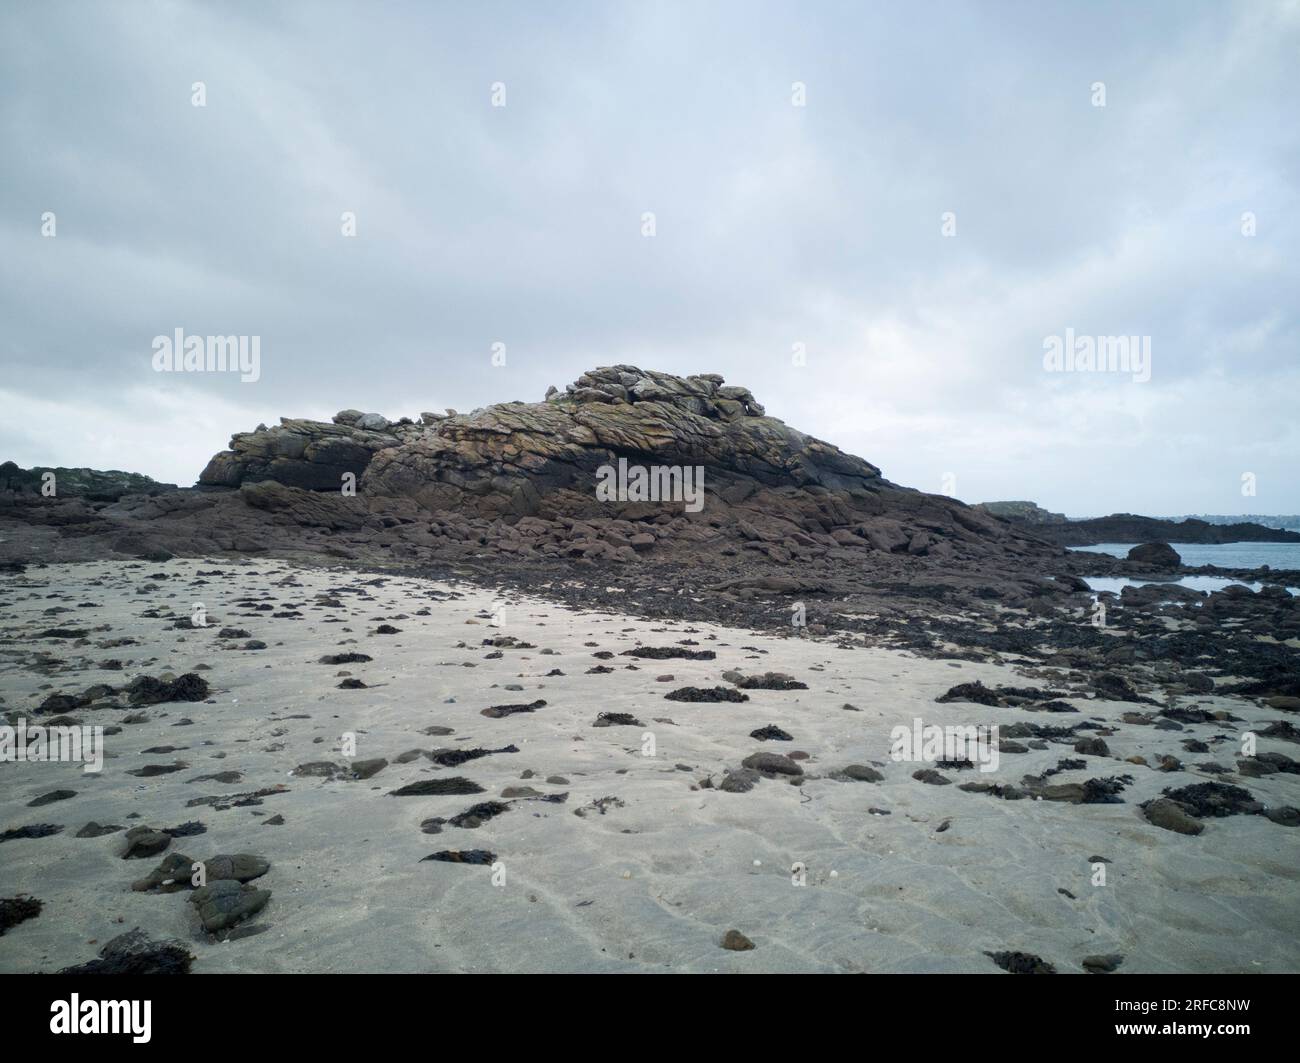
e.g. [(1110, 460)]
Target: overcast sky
[(775, 225)]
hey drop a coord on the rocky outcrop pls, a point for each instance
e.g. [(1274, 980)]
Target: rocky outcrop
[(1026, 512), (92, 484), (505, 459), (522, 478)]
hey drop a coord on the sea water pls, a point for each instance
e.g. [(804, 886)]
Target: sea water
[(1225, 555)]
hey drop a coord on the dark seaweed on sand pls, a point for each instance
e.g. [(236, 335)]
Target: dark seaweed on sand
[(15, 910), (617, 719), (438, 787), (462, 856), (706, 694), (498, 712), (452, 758), (479, 814), (665, 653), (36, 830), (1021, 963)]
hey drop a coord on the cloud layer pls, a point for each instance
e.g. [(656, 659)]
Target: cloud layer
[(774, 225)]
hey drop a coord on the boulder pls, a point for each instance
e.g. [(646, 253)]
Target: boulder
[(224, 903), (1160, 556), (1171, 816)]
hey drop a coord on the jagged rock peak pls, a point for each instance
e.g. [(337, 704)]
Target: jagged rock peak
[(704, 394), (504, 459)]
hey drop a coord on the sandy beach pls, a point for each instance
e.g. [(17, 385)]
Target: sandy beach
[(602, 858)]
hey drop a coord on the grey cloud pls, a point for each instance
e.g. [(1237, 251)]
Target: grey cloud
[(775, 224)]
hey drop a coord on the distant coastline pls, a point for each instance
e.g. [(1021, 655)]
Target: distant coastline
[(1134, 528)]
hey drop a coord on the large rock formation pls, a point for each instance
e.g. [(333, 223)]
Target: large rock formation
[(535, 468), (509, 458), (516, 484)]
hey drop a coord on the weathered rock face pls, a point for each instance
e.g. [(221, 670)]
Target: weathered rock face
[(511, 458), (312, 455), (505, 459)]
